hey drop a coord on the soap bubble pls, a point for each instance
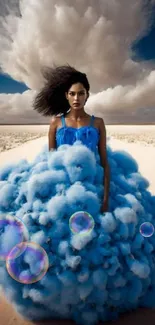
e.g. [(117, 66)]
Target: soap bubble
[(27, 262), (81, 222), (146, 229), (12, 232)]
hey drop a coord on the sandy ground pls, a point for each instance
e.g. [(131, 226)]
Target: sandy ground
[(28, 151), (12, 136), (145, 157)]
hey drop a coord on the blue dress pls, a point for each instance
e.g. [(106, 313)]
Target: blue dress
[(97, 266), (88, 135)]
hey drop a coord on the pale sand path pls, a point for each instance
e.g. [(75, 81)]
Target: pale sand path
[(145, 157), (27, 150)]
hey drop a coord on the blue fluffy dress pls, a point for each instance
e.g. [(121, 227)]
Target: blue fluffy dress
[(101, 274)]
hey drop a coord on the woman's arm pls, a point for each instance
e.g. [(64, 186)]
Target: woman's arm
[(52, 134), (104, 161)]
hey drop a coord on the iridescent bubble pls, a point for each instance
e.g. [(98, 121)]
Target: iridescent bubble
[(81, 222), (27, 263), (146, 229), (12, 232)]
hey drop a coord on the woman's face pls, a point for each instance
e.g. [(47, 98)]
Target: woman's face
[(77, 96)]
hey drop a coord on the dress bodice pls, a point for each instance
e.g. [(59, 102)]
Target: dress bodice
[(88, 135)]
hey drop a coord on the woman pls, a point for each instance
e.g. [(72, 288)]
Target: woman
[(66, 92), (96, 267)]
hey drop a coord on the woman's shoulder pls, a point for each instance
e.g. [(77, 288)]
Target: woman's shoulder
[(55, 118), (97, 118), (55, 122), (98, 121)]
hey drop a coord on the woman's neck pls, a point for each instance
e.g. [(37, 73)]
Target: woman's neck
[(77, 115)]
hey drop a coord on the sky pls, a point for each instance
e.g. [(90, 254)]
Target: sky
[(111, 41)]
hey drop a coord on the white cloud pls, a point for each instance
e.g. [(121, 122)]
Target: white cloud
[(95, 37), (17, 108)]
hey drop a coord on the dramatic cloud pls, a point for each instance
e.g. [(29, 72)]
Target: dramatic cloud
[(96, 38), (17, 109)]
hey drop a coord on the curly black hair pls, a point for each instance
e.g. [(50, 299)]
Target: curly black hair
[(51, 100)]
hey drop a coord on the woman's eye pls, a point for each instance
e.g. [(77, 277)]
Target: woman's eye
[(81, 94)]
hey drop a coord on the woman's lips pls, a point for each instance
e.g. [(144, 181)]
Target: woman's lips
[(76, 104)]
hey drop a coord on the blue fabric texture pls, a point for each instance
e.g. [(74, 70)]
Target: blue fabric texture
[(88, 135), (94, 276)]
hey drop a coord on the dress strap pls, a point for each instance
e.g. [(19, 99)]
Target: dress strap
[(92, 120), (63, 121)]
